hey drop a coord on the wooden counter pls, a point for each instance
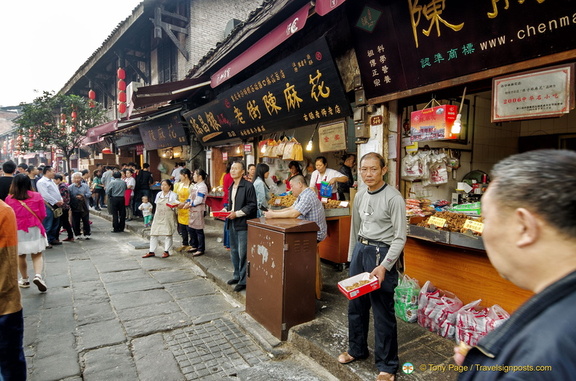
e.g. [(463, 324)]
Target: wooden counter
[(335, 247), (466, 272)]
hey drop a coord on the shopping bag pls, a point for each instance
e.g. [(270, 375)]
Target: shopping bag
[(406, 299), (325, 189)]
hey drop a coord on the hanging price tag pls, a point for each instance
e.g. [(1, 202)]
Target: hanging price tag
[(437, 221), (475, 226), (277, 201), (344, 204), (324, 200)]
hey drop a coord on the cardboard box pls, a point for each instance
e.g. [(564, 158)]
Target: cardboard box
[(434, 123), (373, 284)]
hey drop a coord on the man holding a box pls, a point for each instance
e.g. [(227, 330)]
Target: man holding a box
[(377, 238)]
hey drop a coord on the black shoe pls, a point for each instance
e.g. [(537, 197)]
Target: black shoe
[(55, 242), (117, 231), (232, 281), (239, 287)]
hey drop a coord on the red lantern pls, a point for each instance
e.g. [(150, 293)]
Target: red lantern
[(121, 73), (91, 104), (122, 96), (62, 118), (122, 108), (73, 115), (121, 85), (92, 94)]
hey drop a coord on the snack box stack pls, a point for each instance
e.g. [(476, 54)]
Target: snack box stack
[(358, 285)]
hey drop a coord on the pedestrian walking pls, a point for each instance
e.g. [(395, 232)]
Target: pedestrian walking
[(65, 218), (79, 195), (262, 189), (12, 359), (53, 200), (146, 208), (98, 190), (164, 223), (30, 211), (377, 238), (182, 188), (242, 205), (196, 205), (115, 192)]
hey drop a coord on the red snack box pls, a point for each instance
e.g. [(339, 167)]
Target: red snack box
[(172, 204), (221, 214), (373, 284)]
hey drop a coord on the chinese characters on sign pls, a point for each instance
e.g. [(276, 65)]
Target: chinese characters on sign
[(535, 94), (428, 41), (332, 136), (302, 89), (163, 132)]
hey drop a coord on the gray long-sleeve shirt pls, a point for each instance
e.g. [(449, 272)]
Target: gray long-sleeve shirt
[(380, 216)]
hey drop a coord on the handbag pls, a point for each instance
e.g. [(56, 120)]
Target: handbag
[(57, 212)]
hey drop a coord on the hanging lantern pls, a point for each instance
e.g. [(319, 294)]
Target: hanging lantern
[(122, 96), (73, 115), (62, 118), (122, 107), (92, 94), (121, 85), (121, 73), (106, 150)]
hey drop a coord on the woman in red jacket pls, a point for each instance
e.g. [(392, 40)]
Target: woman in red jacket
[(30, 211)]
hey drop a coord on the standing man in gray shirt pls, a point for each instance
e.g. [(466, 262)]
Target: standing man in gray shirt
[(106, 178), (377, 238), (53, 199)]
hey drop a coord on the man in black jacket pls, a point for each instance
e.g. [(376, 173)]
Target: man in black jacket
[(142, 188), (242, 203)]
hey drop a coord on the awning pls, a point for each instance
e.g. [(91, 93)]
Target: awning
[(324, 7), (102, 129), (274, 38), (166, 92), (87, 141)]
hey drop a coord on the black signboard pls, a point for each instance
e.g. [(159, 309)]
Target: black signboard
[(163, 132), (405, 44), (302, 89)]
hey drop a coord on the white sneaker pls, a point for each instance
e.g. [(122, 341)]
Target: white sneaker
[(24, 283), (39, 282), (86, 237), (79, 237)]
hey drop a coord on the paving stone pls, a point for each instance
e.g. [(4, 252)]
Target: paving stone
[(152, 324), (93, 312), (99, 334), (118, 265), (172, 276), (139, 298), (123, 275), (205, 305), (158, 309), (191, 288), (154, 360), (109, 363), (129, 285), (90, 292), (56, 357)]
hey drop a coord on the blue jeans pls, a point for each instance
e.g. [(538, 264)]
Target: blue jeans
[(12, 360), (52, 225), (238, 248), (364, 259)]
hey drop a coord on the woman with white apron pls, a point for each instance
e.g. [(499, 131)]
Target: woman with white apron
[(164, 223)]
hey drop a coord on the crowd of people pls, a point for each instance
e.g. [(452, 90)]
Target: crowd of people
[(529, 237)]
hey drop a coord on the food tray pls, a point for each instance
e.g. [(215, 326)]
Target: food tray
[(428, 234), (337, 212), (172, 205), (362, 290), (464, 240), (221, 214)]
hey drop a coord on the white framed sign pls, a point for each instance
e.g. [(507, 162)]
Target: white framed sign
[(539, 93), (332, 136)]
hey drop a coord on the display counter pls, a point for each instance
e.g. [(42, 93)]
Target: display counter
[(465, 271), (335, 247)]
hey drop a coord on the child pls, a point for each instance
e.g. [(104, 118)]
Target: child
[(146, 209)]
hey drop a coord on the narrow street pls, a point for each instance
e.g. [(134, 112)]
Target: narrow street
[(108, 314)]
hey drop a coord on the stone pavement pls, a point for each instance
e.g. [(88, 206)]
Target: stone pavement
[(109, 314)]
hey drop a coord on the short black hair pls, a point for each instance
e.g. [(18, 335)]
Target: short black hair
[(9, 167), (46, 169), (117, 175), (146, 165), (24, 166)]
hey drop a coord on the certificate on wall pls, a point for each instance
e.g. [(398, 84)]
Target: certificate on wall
[(332, 136), (540, 93)]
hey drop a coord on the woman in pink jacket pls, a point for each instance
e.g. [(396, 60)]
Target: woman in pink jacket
[(30, 211)]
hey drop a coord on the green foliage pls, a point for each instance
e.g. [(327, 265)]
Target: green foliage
[(48, 122)]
